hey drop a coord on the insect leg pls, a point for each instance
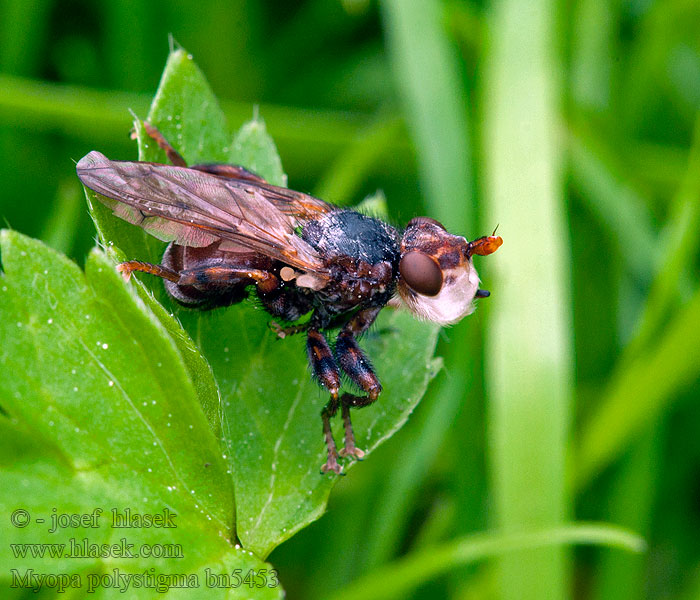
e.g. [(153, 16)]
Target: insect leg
[(350, 448), (326, 370), (326, 414), (173, 155), (224, 276), (230, 171), (358, 367), (348, 401), (127, 268)]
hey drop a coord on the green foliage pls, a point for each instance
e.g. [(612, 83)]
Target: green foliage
[(398, 578), (100, 412)]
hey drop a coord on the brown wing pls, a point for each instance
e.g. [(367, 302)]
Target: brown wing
[(295, 204), (193, 208)]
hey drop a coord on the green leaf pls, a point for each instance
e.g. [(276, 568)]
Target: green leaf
[(130, 242), (186, 107), (136, 241), (272, 411), (98, 412), (254, 148), (271, 408), (374, 206)]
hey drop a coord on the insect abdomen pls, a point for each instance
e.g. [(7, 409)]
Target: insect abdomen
[(204, 270)]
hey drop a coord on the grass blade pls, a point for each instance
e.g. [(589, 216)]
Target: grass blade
[(632, 501), (529, 362), (397, 579), (658, 361), (61, 226), (638, 394), (434, 102)]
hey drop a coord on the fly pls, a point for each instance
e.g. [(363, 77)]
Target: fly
[(232, 233)]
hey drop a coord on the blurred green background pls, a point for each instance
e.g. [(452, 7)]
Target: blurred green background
[(572, 393)]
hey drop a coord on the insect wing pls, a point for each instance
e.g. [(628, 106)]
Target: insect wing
[(296, 204), (193, 208)]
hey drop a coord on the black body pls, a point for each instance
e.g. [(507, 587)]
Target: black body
[(361, 253)]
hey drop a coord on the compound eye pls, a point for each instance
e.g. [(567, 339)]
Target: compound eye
[(421, 273)]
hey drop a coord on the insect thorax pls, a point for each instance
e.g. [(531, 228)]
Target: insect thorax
[(362, 254), (349, 233)]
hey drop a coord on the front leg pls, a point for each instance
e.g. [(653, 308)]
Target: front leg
[(326, 371), (358, 367)]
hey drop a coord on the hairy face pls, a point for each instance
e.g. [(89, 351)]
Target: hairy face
[(438, 280)]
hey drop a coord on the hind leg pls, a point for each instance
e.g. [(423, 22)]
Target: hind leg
[(211, 285), (127, 268), (176, 159), (173, 155)]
